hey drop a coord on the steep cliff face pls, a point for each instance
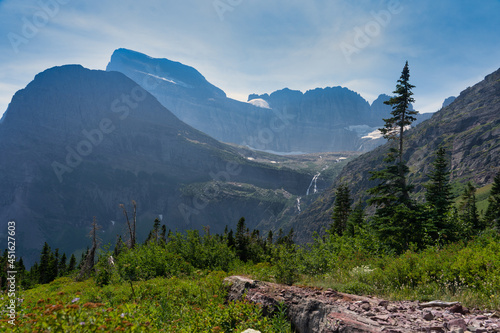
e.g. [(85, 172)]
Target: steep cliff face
[(76, 143), (469, 129)]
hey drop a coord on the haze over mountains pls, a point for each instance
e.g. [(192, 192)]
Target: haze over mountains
[(286, 121)]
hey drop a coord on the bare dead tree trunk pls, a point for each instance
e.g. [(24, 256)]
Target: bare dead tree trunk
[(131, 225), (88, 265)]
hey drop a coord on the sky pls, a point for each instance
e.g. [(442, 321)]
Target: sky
[(259, 46)]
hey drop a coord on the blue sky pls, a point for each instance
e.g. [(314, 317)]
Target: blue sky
[(259, 46)]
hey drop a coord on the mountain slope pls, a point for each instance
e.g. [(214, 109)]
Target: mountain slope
[(76, 143), (469, 128)]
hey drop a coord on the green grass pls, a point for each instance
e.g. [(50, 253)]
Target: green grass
[(178, 304)]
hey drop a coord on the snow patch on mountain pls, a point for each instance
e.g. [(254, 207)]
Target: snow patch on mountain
[(165, 79), (259, 102)]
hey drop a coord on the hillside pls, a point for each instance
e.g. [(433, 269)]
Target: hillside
[(469, 128), (76, 143)]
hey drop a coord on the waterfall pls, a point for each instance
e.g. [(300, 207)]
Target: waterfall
[(313, 181), (298, 204)]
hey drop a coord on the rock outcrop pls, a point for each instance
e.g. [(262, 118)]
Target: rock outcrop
[(327, 311)]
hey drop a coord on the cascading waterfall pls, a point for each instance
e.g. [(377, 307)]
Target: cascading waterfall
[(313, 181), (298, 204)]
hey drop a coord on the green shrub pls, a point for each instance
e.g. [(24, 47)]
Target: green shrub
[(148, 261)]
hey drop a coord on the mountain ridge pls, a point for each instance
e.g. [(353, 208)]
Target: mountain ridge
[(318, 120)]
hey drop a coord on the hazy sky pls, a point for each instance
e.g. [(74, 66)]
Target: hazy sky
[(258, 46)]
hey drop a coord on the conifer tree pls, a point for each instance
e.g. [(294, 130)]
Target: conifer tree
[(395, 126), (241, 240), (72, 263), (492, 216), (118, 246), (355, 220), (43, 268), (341, 209), (402, 116), (163, 235), (398, 220), (468, 208), (438, 195), (230, 239), (62, 265)]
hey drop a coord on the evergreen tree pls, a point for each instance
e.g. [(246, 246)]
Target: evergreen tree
[(355, 220), (21, 273), (468, 208), (118, 246), (54, 265), (72, 263), (270, 237), (438, 195), (395, 126), (492, 216), (163, 235), (341, 209), (230, 239), (62, 265), (392, 189), (401, 115), (44, 267), (241, 240)]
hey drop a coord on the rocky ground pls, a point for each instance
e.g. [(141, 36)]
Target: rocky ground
[(316, 310)]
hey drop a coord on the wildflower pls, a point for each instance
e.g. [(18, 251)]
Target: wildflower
[(82, 323), (74, 300)]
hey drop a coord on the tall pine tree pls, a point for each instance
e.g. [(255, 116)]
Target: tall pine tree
[(397, 221), (470, 216), (438, 195), (341, 209), (395, 126), (492, 216)]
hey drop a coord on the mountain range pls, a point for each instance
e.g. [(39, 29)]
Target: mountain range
[(286, 121)]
